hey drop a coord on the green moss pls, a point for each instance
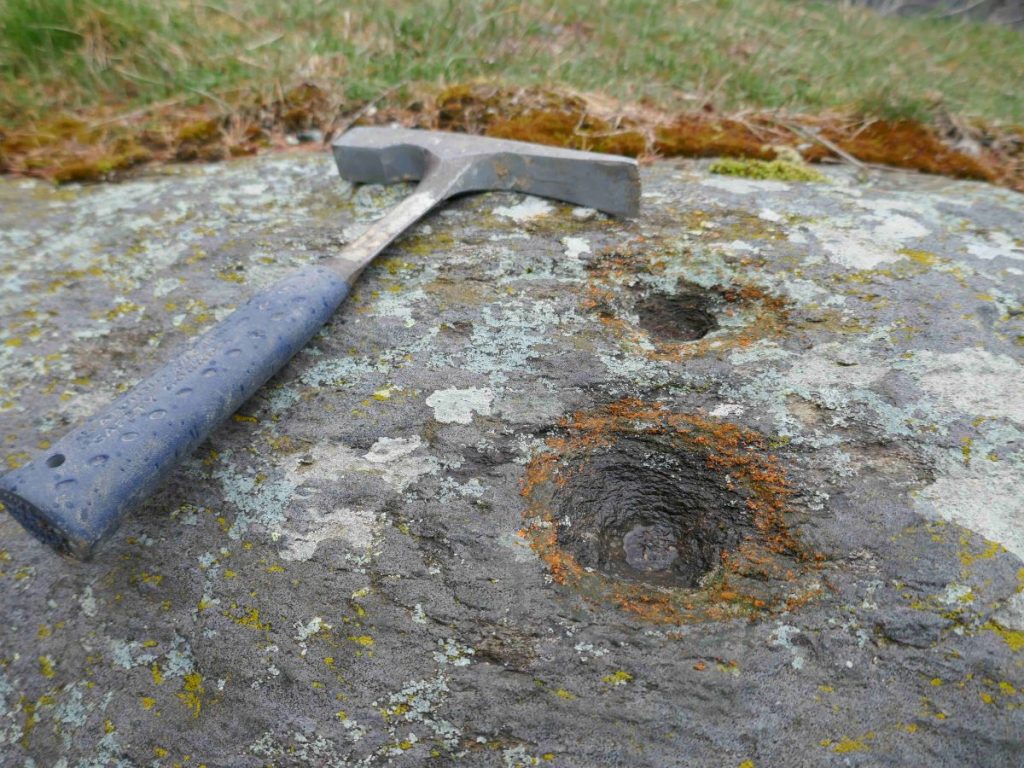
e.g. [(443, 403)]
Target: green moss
[(201, 131), (100, 167), (776, 170)]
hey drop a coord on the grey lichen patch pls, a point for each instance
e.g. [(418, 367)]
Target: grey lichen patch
[(457, 406), (342, 576)]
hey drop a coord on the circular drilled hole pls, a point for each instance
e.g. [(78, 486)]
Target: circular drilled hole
[(649, 512), (55, 461), (685, 316)]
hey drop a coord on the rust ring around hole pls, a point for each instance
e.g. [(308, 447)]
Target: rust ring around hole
[(669, 516), (666, 319)]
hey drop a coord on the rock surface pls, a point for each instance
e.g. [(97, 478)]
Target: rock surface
[(358, 569)]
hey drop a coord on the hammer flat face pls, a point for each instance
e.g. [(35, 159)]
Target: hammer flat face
[(383, 155)]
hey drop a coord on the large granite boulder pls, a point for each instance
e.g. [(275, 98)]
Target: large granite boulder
[(738, 483)]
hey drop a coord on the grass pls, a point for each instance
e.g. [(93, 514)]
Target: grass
[(82, 55)]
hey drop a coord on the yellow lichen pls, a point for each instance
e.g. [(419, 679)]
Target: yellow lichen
[(46, 667), (846, 745), (148, 702), (250, 619), (15, 460), (1012, 637), (364, 640), (191, 693), (121, 309), (925, 258), (965, 448), (991, 550), (619, 677), (229, 275), (158, 676)]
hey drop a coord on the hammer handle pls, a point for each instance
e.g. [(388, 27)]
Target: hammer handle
[(75, 495)]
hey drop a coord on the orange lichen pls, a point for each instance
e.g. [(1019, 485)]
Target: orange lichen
[(765, 573)]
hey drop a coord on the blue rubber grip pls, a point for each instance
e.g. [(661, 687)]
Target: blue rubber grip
[(75, 495)]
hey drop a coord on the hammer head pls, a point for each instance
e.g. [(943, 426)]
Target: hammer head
[(382, 155)]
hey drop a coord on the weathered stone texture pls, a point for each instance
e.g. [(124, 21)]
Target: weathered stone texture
[(344, 575)]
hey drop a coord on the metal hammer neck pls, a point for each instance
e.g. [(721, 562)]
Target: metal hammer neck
[(438, 183)]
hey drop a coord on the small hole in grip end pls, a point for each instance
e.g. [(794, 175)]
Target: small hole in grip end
[(55, 461)]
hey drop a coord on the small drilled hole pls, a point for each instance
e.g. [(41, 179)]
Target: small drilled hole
[(55, 461)]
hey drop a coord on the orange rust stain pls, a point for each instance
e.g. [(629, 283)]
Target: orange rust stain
[(657, 609), (774, 556)]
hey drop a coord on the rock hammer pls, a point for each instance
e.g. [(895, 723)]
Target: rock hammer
[(75, 494)]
